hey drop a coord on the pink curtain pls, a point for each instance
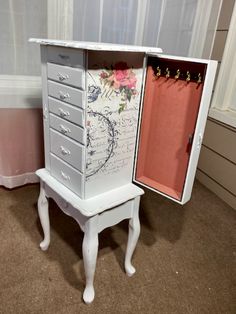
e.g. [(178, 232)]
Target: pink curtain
[(21, 146), (21, 123)]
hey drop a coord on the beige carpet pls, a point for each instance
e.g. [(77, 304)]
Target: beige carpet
[(185, 259)]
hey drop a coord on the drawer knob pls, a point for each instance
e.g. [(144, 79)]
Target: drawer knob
[(64, 130), (62, 77), (63, 113), (64, 96), (65, 176), (64, 151)]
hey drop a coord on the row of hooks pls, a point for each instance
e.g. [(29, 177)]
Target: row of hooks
[(178, 75)]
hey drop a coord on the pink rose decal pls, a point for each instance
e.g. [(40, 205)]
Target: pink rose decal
[(121, 79)]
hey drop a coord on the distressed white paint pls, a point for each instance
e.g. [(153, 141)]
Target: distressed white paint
[(94, 45)]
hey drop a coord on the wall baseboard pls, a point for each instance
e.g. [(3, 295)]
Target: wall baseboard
[(16, 181)]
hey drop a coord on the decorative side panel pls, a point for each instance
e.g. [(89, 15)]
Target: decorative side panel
[(114, 82)]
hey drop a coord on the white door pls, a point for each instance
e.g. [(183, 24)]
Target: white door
[(172, 120)]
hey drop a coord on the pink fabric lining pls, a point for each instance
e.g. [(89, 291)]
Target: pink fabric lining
[(168, 119), (21, 141)]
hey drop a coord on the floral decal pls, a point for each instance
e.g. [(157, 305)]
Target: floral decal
[(93, 93), (122, 80), (113, 99)]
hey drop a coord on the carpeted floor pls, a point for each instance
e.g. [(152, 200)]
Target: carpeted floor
[(185, 259)]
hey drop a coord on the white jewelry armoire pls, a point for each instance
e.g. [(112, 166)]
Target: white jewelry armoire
[(116, 115)]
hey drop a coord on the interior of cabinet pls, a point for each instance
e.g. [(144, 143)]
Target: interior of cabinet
[(168, 119)]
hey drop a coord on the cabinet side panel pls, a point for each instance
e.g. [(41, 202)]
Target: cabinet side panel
[(114, 82), (45, 106)]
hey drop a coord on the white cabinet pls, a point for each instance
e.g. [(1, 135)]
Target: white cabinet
[(115, 114)]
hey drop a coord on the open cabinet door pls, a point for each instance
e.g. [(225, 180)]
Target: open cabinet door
[(172, 120)]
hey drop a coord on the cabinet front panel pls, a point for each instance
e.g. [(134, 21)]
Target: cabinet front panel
[(67, 112), (66, 94), (66, 128), (68, 150), (66, 56), (66, 75), (170, 111), (67, 175)]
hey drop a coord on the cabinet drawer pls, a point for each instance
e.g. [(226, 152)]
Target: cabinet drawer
[(66, 75), (69, 129), (67, 112), (68, 150), (68, 176), (67, 94), (66, 56)]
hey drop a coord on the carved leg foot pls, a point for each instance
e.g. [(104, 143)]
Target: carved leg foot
[(90, 250), (134, 231), (44, 217), (89, 294)]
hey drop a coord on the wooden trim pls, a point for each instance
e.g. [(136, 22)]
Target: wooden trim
[(217, 188), (215, 152), (225, 116), (218, 168), (226, 126), (221, 140)]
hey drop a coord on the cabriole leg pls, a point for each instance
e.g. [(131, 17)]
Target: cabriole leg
[(134, 231), (90, 250), (44, 217)]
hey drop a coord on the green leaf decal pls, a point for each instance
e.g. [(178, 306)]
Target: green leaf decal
[(122, 108)]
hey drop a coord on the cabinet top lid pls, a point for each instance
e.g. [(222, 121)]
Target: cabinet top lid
[(94, 45)]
